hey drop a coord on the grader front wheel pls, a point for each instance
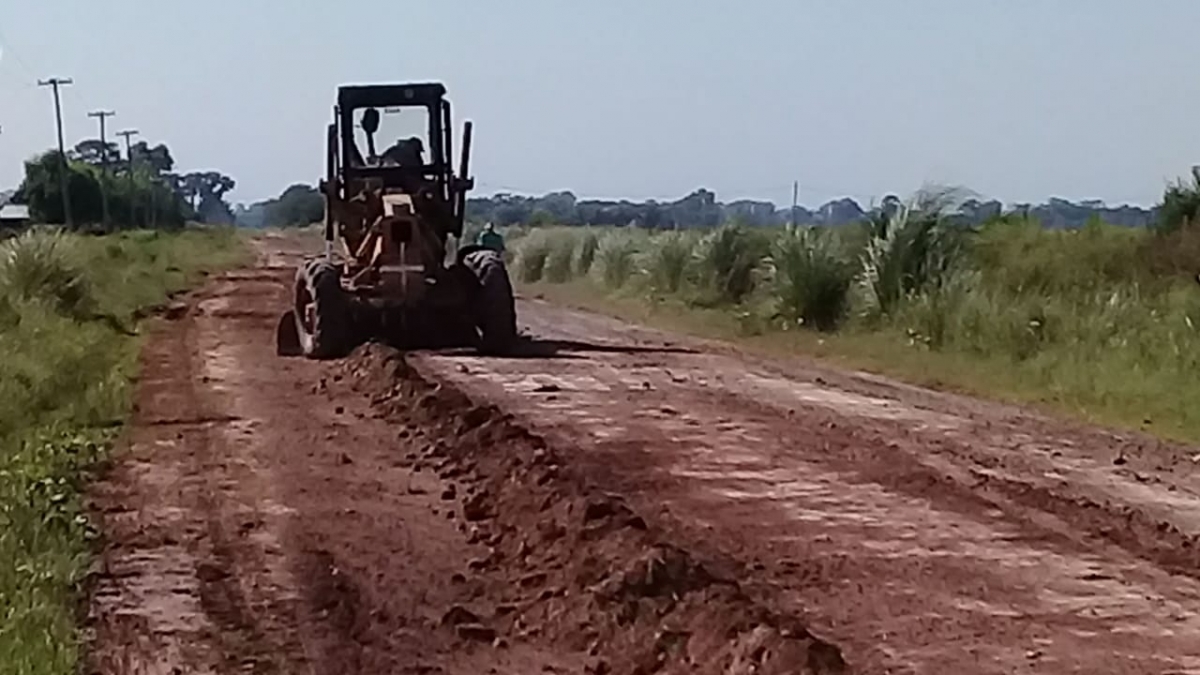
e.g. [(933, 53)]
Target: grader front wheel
[(320, 314)]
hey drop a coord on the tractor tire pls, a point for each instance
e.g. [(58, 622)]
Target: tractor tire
[(328, 334), (495, 310)]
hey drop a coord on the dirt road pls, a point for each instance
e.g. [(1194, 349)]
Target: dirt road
[(617, 500)]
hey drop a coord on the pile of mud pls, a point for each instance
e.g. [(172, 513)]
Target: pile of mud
[(570, 564)]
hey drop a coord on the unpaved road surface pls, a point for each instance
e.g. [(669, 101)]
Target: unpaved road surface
[(615, 499)]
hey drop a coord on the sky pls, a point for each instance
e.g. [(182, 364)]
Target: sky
[(1019, 100)]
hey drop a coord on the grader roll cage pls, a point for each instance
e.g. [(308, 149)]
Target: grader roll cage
[(392, 215)]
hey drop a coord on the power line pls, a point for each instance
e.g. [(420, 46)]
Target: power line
[(57, 82), (103, 115), (6, 46)]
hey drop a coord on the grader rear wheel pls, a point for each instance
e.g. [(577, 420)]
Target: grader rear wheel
[(495, 310)]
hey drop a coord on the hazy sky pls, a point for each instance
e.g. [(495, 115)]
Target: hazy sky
[(1017, 99)]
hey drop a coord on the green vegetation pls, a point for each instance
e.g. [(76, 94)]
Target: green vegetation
[(1099, 321), (141, 190), (700, 209), (69, 306), (297, 206)]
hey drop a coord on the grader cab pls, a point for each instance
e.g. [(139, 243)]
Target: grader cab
[(385, 271)]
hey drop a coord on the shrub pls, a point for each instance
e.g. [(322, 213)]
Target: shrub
[(560, 257), (44, 266), (909, 251), (617, 254), (531, 257), (587, 253), (811, 278), (667, 261), (729, 262)]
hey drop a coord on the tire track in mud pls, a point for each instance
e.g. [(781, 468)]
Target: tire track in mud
[(169, 590)]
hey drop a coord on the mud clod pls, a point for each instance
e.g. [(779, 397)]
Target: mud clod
[(605, 507), (477, 417), (663, 571), (458, 615), (551, 531), (175, 311), (475, 508), (534, 579), (211, 573), (476, 632)]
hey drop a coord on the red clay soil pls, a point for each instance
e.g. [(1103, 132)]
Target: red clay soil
[(273, 515), (919, 532), (616, 500)]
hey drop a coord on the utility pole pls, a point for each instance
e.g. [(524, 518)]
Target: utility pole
[(129, 158), (57, 82), (102, 115), (795, 200)]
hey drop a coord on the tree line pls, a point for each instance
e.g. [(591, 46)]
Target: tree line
[(302, 204), (142, 189), (701, 209)]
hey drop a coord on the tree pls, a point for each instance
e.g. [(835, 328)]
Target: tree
[(157, 159), (205, 193), (1181, 204), (93, 152), (298, 205), (138, 200), (41, 190)]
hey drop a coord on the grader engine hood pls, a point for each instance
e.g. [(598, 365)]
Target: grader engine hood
[(397, 254), (401, 265)]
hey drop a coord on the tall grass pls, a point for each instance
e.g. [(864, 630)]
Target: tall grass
[(532, 255), (67, 303), (560, 260), (1100, 320)]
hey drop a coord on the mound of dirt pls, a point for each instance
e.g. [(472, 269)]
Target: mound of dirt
[(571, 564)]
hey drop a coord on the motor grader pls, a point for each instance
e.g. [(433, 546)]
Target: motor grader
[(385, 272)]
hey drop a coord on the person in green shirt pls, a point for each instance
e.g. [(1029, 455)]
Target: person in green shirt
[(491, 238)]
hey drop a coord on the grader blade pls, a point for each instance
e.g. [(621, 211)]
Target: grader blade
[(287, 337)]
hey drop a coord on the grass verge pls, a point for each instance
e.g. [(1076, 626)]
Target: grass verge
[(1079, 323), (69, 312)]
